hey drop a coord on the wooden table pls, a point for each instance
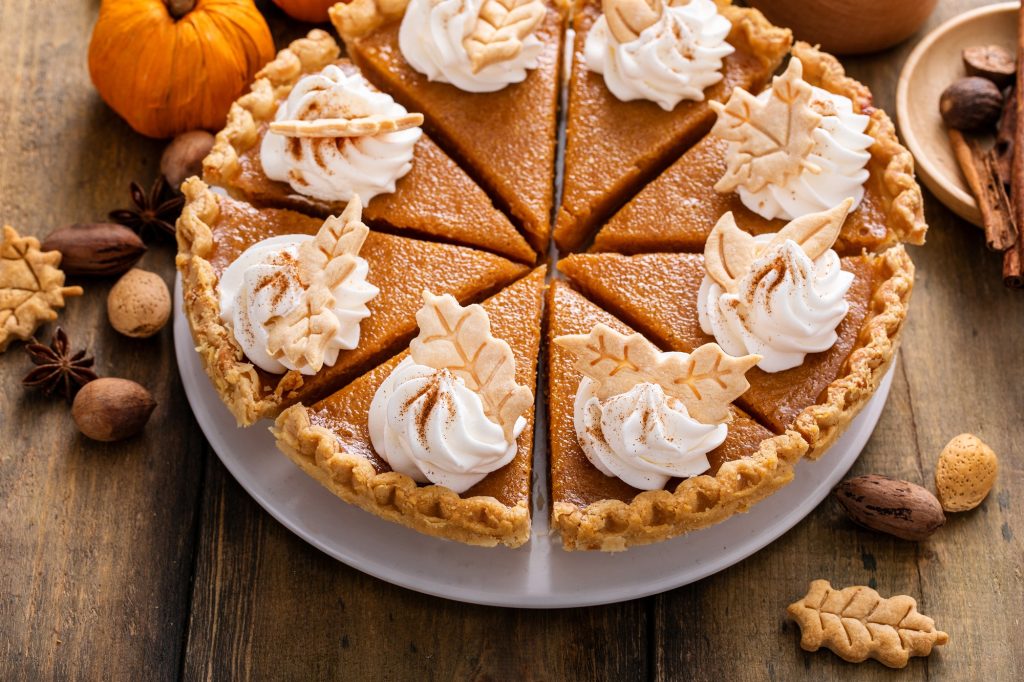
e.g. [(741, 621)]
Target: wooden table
[(146, 560)]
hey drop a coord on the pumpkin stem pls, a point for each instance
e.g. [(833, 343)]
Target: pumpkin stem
[(179, 8)]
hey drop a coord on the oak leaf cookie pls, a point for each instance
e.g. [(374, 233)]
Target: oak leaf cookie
[(965, 473), (857, 623), (31, 286)]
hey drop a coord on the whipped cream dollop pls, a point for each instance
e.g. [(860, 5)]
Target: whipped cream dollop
[(786, 306), (432, 39), (427, 424), (673, 59), (841, 152), (338, 168), (643, 436), (262, 284)]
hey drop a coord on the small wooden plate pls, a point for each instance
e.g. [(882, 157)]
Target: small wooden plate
[(933, 65)]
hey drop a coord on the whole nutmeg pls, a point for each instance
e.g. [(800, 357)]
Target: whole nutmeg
[(993, 62), (139, 304), (184, 156), (971, 104), (899, 508), (99, 249), (111, 409)]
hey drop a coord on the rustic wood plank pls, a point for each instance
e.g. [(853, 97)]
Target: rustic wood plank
[(959, 371), (96, 540), (268, 606)]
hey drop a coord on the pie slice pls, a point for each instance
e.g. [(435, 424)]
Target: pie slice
[(677, 211), (434, 199), (330, 441), (613, 148), (658, 293), (214, 230), (506, 139), (594, 511)]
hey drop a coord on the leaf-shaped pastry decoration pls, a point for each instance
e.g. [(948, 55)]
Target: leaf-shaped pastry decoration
[(31, 286), (729, 251), (773, 137), (857, 623), (303, 334), (459, 339), (815, 233), (500, 29), (346, 127), (627, 19), (706, 381)]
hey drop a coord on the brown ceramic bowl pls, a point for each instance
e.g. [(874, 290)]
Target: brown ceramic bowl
[(849, 26)]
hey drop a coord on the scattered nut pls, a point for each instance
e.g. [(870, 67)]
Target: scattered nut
[(898, 508), (993, 62), (112, 409), (971, 104), (965, 473), (184, 156), (95, 248), (139, 304)]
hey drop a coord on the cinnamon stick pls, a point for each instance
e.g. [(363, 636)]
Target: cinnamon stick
[(980, 170), (1013, 258)]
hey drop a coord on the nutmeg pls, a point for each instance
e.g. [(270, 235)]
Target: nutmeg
[(139, 304), (98, 249), (184, 156), (109, 409), (899, 508), (993, 62), (971, 104)]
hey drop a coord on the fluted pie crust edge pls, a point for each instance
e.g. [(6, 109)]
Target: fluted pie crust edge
[(433, 510), (904, 205)]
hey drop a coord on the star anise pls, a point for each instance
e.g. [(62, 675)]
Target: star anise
[(151, 211), (59, 368)]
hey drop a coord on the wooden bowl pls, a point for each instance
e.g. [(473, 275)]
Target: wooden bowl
[(849, 26), (934, 64)]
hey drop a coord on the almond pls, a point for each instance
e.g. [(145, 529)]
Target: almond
[(139, 304), (109, 409), (97, 249), (888, 505), (965, 473)]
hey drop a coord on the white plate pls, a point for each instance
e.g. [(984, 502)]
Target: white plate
[(537, 575)]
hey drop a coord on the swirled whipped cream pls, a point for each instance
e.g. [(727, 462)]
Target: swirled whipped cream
[(262, 285), (841, 153), (643, 436), (427, 424), (673, 59), (338, 168), (785, 306), (432, 39)]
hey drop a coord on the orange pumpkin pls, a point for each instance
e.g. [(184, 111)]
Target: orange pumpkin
[(313, 11), (167, 66)]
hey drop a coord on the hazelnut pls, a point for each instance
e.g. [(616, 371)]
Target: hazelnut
[(971, 103), (139, 304), (993, 62), (184, 156), (111, 409)]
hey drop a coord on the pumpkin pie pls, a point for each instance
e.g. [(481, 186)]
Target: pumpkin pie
[(214, 231), (677, 210), (332, 441), (661, 295), (505, 137), (593, 510), (434, 198), (613, 147)]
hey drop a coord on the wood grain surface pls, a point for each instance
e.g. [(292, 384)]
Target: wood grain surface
[(146, 560)]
